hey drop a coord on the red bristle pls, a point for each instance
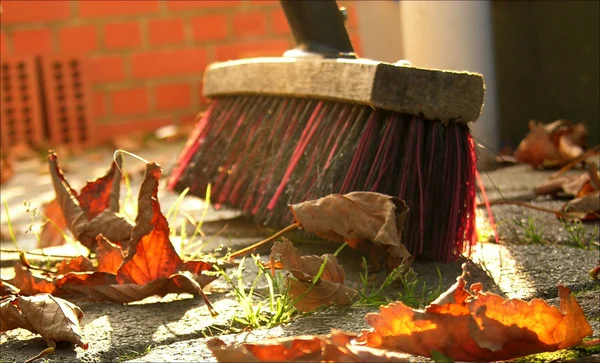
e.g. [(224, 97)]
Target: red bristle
[(304, 140), (358, 160), (190, 148)]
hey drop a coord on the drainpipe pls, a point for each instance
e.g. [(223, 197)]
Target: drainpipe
[(455, 35)]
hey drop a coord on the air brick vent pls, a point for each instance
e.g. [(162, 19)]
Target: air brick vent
[(20, 117), (45, 100)]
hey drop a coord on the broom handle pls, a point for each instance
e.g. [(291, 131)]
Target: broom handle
[(318, 27)]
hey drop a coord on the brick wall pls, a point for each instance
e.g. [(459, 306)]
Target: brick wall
[(145, 58)]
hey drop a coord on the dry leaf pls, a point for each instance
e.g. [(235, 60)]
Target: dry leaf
[(336, 347), (585, 208), (55, 319), (329, 289), (93, 211), (7, 289), (30, 284), (357, 217), (151, 255), (53, 229), (76, 264), (152, 267), (552, 144), (478, 326), (109, 256)]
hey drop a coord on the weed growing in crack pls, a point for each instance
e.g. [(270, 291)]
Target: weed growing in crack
[(532, 233), (259, 309), (578, 236), (416, 294), (413, 294)]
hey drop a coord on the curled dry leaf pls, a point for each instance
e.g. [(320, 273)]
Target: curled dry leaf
[(93, 211), (55, 319), (478, 326), (355, 218), (336, 347), (329, 289), (152, 267), (151, 255), (552, 144)]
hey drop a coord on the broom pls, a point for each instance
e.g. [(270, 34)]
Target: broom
[(319, 121)]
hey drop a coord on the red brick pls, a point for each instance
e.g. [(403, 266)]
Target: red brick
[(32, 41), (122, 35), (168, 62), (249, 24), (274, 48), (99, 104), (35, 11), (166, 31), (3, 44), (264, 2), (108, 8), (279, 21), (106, 69), (209, 27), (179, 5), (130, 101), (173, 96), (78, 39)]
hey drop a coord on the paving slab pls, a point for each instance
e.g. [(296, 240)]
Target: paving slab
[(176, 327)]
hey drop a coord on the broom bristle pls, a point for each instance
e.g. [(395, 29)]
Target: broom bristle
[(261, 153)]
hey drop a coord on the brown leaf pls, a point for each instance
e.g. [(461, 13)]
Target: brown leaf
[(92, 212), (76, 264), (53, 318), (478, 326), (536, 147), (329, 289), (151, 255), (109, 256), (336, 347), (356, 217), (8, 289), (30, 284), (585, 208)]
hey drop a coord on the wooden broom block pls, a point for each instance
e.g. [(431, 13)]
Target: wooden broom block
[(432, 94)]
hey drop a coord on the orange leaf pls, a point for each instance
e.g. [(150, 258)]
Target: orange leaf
[(536, 147), (30, 284), (479, 326), (336, 347), (76, 264), (109, 255), (50, 234), (151, 255)]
